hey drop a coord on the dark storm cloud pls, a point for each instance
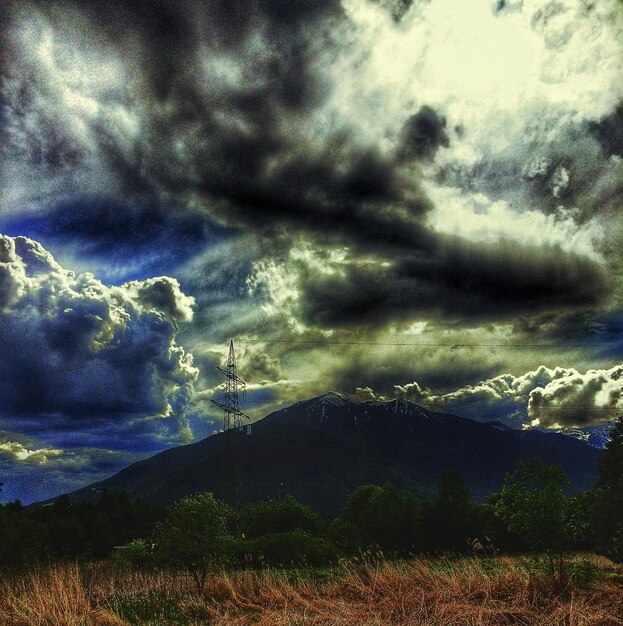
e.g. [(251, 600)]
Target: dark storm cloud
[(81, 356), (233, 127), (172, 32), (598, 333), (422, 134), (434, 367), (237, 148), (609, 132), (459, 281), (396, 8), (239, 159)]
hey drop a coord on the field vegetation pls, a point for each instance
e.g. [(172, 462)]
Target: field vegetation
[(532, 554), (459, 591)]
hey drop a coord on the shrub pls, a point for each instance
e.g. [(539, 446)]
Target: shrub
[(264, 518), (291, 549), (377, 517)]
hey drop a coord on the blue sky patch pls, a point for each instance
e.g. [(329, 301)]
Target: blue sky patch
[(118, 242)]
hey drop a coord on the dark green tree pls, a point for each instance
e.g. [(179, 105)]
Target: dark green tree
[(451, 521), (282, 516), (533, 505), (608, 497), (194, 536), (378, 517), (294, 548), (23, 539)]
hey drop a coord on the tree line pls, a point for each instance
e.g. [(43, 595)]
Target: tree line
[(531, 512)]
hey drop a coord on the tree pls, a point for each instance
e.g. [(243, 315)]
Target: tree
[(23, 539), (608, 496), (373, 516), (533, 505), (294, 548), (194, 536), (286, 515), (451, 520)]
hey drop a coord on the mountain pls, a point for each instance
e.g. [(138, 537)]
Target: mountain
[(595, 436), (321, 449)]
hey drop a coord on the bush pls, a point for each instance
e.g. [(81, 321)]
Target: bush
[(377, 517), (291, 549), (138, 553), (265, 518)]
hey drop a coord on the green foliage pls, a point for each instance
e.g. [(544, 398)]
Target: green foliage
[(348, 537), (138, 553), (264, 518), (67, 530), (290, 549), (452, 521), (533, 504), (377, 517), (23, 539), (608, 497), (579, 520), (194, 536)]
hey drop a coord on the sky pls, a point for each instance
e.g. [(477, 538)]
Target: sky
[(382, 198)]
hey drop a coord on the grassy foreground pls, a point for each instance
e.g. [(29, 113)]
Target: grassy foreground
[(458, 592)]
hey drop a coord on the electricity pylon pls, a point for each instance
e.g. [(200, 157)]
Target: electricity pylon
[(233, 415)]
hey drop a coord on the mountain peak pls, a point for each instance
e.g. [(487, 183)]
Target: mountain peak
[(322, 448), (398, 405), (330, 397)]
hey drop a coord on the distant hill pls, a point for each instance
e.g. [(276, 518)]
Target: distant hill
[(321, 449)]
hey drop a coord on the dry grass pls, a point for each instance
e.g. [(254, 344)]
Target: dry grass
[(464, 592)]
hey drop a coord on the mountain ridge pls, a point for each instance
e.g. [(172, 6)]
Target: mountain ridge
[(321, 448)]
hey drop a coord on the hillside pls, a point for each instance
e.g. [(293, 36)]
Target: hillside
[(321, 449)]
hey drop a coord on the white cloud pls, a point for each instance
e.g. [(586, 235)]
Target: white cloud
[(76, 349), (475, 217), (577, 399), (14, 451), (550, 397), (517, 88), (488, 73)]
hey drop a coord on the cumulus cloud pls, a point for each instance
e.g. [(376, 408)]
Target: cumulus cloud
[(545, 397), (81, 355), (576, 399), (14, 451)]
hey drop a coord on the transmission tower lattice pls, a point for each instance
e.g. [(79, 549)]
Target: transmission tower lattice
[(233, 415)]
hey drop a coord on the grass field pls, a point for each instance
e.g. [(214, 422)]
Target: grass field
[(444, 592)]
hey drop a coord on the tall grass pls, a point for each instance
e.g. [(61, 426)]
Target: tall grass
[(462, 592)]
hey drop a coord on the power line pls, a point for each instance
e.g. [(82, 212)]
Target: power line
[(433, 345), (415, 344), (326, 343)]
